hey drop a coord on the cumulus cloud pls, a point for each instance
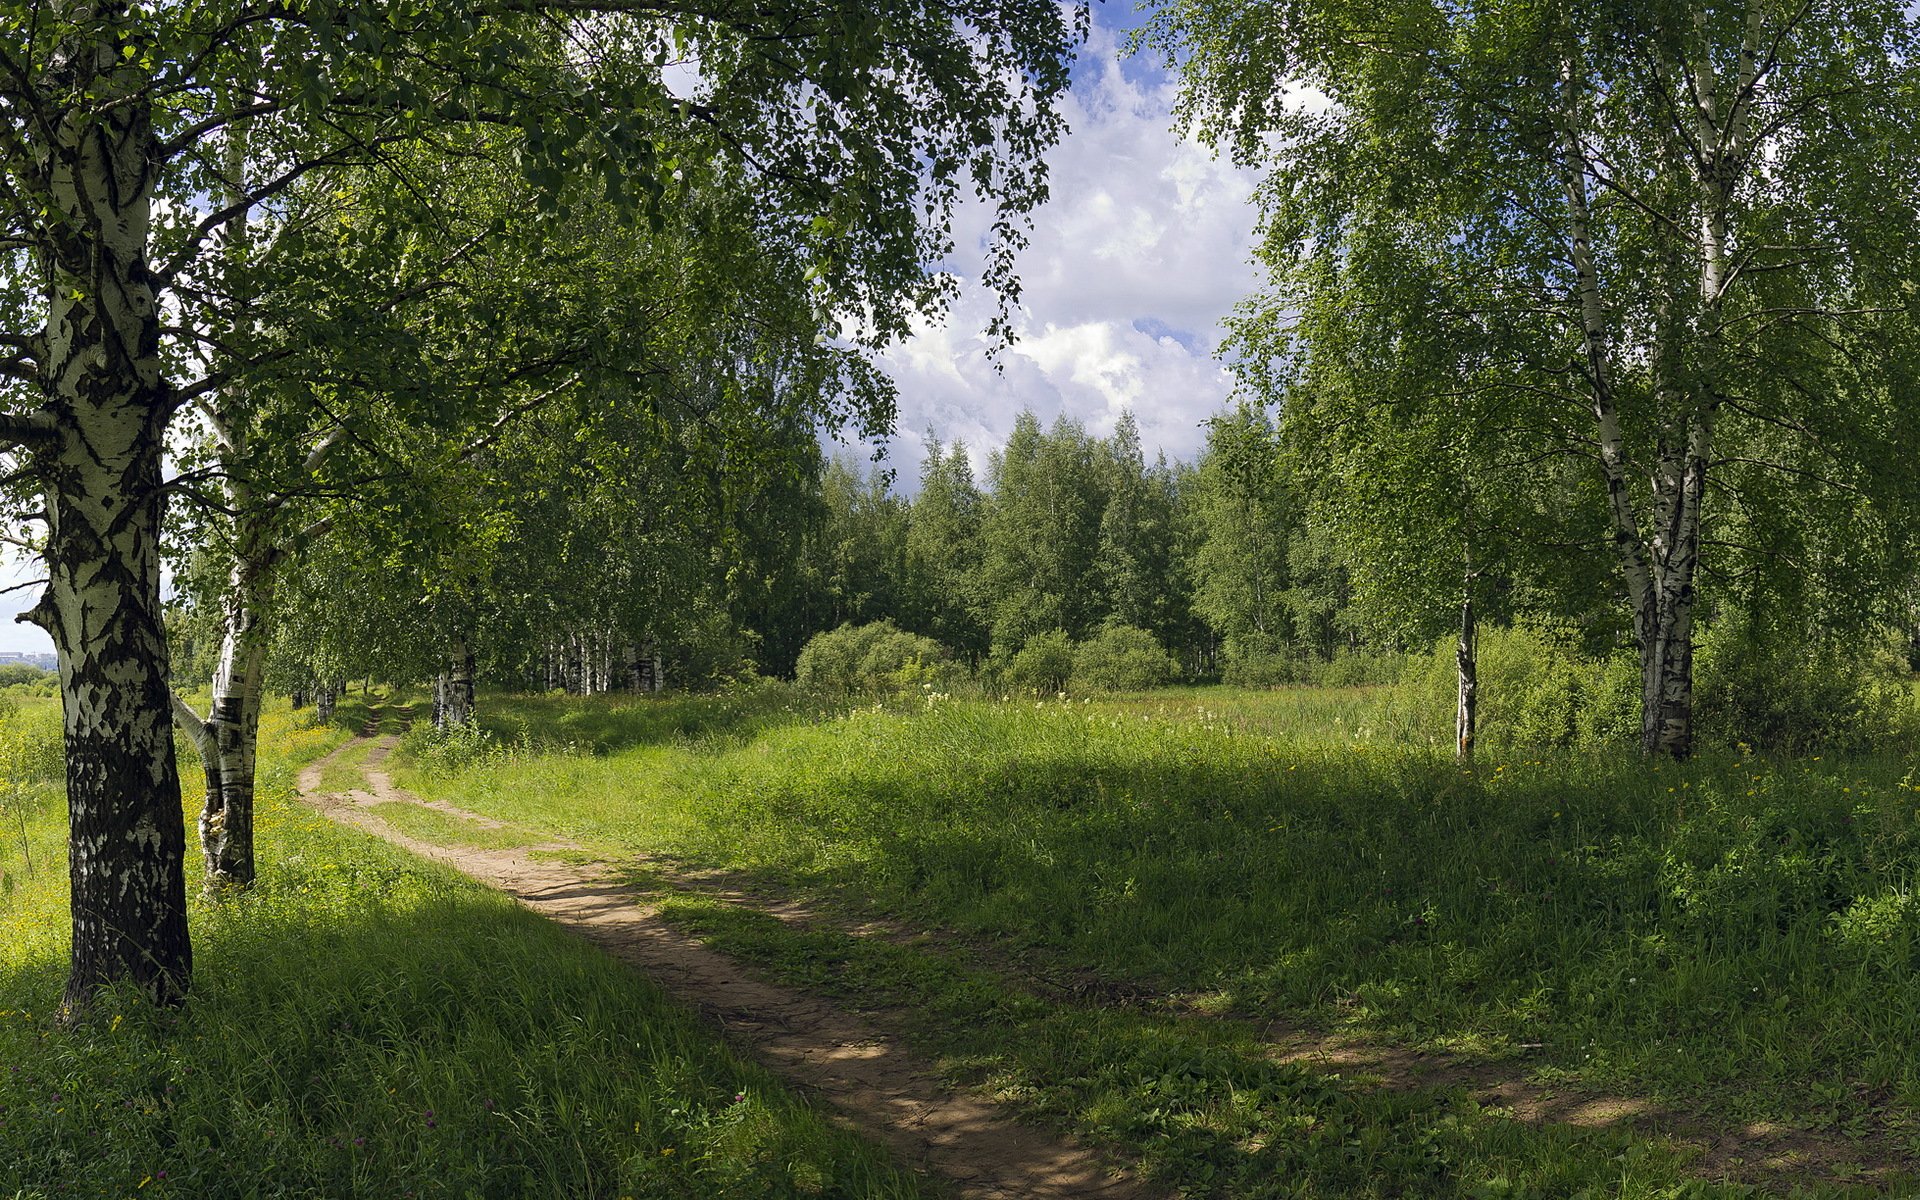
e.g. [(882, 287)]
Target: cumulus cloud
[(1142, 251)]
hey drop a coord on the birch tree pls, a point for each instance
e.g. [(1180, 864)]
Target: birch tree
[(115, 119), (1692, 226)]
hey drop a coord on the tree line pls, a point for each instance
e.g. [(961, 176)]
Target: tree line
[(281, 282), (457, 339)]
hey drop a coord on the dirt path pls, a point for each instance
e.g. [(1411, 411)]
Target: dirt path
[(863, 1071), (899, 1100)]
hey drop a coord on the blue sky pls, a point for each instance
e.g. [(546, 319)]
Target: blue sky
[(1142, 251)]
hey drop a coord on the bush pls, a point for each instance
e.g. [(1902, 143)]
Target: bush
[(1260, 661), (1044, 664), (1122, 658), (1264, 661), (1800, 696), (879, 657), (445, 752), (1536, 692)]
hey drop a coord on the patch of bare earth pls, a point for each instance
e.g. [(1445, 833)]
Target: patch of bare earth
[(860, 1069)]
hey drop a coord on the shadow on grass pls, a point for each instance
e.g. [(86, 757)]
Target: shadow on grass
[(361, 1027), (1209, 1108), (1725, 937)]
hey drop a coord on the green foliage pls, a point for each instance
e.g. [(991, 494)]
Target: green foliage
[(1803, 695), (1258, 661), (875, 658), (1043, 665), (1041, 535), (941, 585), (368, 1026), (445, 751), (1490, 193), (1122, 658), (1724, 937), (1538, 692), (27, 678)]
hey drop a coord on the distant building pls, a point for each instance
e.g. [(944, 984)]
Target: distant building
[(44, 661)]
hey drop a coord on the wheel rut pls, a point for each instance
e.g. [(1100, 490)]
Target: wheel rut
[(862, 1070)]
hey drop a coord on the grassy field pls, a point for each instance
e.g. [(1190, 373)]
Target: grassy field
[(364, 1024), (1733, 938)]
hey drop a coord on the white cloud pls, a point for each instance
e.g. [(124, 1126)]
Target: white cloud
[(1133, 264)]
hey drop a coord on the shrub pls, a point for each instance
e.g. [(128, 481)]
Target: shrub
[(445, 752), (1260, 660), (1044, 664), (1122, 658), (1536, 692), (879, 657), (1359, 668), (1797, 695)]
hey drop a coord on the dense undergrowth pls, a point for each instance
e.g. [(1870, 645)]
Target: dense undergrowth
[(1735, 936), (366, 1025)]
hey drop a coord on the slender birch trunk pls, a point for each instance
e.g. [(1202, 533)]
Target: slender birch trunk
[(458, 699), (233, 724), (107, 408), (323, 702), (1466, 660)]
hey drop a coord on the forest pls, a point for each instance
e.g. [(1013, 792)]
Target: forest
[(523, 728)]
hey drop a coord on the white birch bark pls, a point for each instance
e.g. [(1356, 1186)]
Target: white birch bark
[(1467, 665), (1661, 567), (103, 390)]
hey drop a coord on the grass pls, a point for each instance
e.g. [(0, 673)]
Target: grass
[(1734, 937), (449, 829), (364, 1024)]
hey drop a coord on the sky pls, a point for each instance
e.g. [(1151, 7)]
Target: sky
[(1144, 248)]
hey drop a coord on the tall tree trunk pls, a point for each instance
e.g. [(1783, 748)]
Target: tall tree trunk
[(1466, 659), (230, 745), (573, 665), (101, 380), (323, 702), (458, 707), (1659, 571)]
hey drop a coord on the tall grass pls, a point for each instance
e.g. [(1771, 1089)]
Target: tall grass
[(364, 1024), (1737, 934)]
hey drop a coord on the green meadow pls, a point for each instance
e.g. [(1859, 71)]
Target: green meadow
[(1116, 897), (366, 1024), (1106, 913)]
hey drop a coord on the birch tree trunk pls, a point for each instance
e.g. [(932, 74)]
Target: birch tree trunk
[(1466, 659), (101, 378), (572, 665), (1660, 570), (631, 678), (232, 728), (323, 702), (457, 707)]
